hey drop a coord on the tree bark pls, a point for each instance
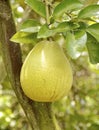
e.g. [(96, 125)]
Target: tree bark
[(39, 114)]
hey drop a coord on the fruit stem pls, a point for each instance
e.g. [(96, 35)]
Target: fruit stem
[(48, 15), (47, 12)]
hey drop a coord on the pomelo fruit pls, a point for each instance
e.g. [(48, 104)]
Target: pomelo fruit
[(46, 74)]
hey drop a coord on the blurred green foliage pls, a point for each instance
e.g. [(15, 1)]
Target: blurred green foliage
[(78, 111)]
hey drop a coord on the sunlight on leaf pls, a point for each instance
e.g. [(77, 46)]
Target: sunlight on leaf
[(66, 5), (75, 44), (37, 6), (23, 37), (30, 25), (89, 11)]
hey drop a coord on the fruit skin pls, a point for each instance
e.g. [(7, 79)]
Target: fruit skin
[(46, 74)]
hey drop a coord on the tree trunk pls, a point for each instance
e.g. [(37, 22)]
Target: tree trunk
[(39, 115)]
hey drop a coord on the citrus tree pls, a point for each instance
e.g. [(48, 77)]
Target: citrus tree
[(64, 35)]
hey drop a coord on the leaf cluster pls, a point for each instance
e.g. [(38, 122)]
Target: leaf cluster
[(76, 23)]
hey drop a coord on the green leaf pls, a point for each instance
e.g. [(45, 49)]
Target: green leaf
[(93, 49), (45, 32), (30, 26), (94, 31), (70, 44), (81, 39), (61, 27), (24, 37), (65, 26), (37, 6), (75, 43), (88, 2), (89, 11), (66, 5)]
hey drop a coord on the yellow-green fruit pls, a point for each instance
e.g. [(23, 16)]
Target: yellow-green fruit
[(46, 74)]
